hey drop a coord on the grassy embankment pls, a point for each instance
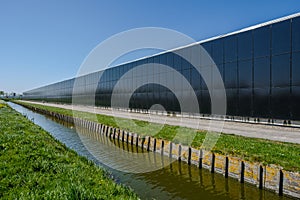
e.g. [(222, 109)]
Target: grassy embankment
[(286, 155), (34, 165)]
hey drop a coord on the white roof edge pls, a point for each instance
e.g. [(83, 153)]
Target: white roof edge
[(216, 37)]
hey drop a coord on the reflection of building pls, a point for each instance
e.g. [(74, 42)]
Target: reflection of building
[(260, 66)]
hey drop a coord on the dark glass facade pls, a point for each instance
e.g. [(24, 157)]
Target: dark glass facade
[(260, 68)]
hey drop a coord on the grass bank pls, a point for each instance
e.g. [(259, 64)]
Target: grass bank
[(286, 155), (34, 165)]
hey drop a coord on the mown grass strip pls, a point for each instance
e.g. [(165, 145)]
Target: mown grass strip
[(286, 155), (34, 165)]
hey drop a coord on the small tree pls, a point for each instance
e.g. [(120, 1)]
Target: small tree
[(1, 93)]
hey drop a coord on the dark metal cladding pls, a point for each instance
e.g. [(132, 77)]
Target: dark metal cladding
[(260, 68)]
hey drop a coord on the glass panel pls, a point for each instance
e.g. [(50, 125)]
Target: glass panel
[(117, 73), (110, 77), (150, 99), (186, 53), (122, 70), (170, 60), (261, 103), (170, 100), (217, 51), (296, 69), (156, 97), (149, 88), (207, 47), (280, 103), (144, 101), (187, 75), (132, 102), (230, 48), (185, 64), (163, 61), (261, 41), (195, 54), (198, 94), (295, 103), (163, 97), (205, 105), (138, 64), (295, 34), (232, 102), (144, 63), (206, 71), (130, 67), (126, 68), (170, 79), (215, 75), (177, 62), (163, 81), (262, 73), (281, 37), (245, 102), (150, 67), (143, 89), (112, 74), (245, 45), (245, 74), (156, 60), (281, 70), (231, 75)]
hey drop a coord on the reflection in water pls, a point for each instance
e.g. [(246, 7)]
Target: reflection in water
[(175, 180), (121, 156)]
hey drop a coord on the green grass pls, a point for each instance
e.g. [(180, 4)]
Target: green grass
[(286, 155), (34, 165), (2, 104)]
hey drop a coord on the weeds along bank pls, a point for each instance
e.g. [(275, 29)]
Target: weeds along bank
[(267, 164), (34, 165), (264, 151)]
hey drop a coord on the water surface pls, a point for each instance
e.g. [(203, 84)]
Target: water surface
[(175, 181)]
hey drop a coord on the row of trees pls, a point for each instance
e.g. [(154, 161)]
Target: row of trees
[(6, 94)]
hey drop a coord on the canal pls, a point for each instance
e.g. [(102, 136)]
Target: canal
[(173, 181)]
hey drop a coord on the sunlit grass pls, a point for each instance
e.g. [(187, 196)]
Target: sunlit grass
[(284, 154), (34, 165)]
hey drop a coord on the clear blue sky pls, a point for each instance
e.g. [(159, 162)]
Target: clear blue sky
[(42, 42)]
